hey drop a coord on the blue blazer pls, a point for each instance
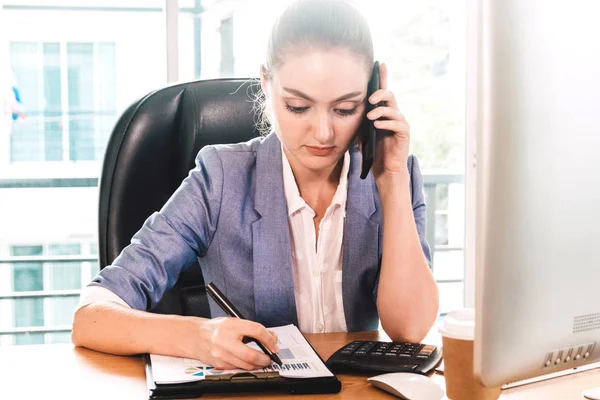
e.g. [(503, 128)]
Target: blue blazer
[(231, 214)]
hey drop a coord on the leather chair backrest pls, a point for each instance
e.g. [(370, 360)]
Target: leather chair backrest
[(151, 150)]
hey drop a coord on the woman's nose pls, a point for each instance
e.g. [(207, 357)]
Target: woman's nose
[(324, 128)]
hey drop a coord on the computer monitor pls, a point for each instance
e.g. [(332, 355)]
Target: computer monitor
[(538, 188)]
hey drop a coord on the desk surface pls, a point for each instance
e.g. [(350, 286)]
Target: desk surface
[(67, 372)]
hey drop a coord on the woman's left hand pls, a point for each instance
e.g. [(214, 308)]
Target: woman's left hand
[(393, 132)]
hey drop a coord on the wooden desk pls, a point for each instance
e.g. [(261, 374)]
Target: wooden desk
[(63, 371)]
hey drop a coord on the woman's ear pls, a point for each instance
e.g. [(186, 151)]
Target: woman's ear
[(264, 79)]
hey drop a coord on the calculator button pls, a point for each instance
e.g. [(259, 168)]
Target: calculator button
[(404, 355), (421, 357), (427, 350), (377, 353), (366, 347), (346, 352)]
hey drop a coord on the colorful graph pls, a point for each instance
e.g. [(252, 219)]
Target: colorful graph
[(288, 367), (212, 371), (195, 371), (286, 354)]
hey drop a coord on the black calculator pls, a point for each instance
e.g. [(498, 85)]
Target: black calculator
[(380, 357)]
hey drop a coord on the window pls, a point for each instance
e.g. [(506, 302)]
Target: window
[(77, 67), (48, 276), (70, 120), (227, 60), (28, 277)]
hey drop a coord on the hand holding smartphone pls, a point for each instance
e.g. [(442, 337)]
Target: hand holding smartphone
[(368, 131)]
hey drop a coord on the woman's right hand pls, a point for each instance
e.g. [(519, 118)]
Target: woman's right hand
[(219, 343)]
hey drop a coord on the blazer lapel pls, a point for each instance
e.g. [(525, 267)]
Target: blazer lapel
[(273, 279), (361, 243)]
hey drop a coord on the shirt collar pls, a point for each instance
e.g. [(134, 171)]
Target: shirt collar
[(292, 194)]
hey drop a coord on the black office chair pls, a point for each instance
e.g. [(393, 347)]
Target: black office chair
[(151, 150)]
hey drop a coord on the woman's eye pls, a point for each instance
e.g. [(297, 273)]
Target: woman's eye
[(345, 112), (296, 110)]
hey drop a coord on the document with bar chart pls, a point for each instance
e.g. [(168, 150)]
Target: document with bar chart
[(298, 358)]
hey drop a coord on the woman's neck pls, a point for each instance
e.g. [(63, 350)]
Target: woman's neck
[(317, 188)]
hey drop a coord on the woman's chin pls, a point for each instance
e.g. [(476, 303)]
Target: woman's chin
[(317, 163)]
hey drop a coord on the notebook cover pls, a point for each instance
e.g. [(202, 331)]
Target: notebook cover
[(241, 384)]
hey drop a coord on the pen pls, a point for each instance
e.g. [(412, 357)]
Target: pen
[(229, 308)]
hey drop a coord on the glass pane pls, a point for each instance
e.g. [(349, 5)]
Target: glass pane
[(62, 309), (59, 337), (106, 96), (29, 338), (95, 266), (28, 277), (80, 79), (66, 275), (227, 60), (53, 131), (29, 312), (26, 138), (63, 276)]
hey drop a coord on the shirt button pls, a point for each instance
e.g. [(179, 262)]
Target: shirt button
[(316, 274), (320, 328)]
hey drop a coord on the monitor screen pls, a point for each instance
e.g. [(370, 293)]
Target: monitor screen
[(538, 187)]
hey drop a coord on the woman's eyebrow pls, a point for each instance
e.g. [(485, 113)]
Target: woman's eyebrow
[(307, 97)]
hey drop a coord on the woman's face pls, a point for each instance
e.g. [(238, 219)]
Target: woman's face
[(318, 101)]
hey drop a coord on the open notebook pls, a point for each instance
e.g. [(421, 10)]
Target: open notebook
[(303, 371)]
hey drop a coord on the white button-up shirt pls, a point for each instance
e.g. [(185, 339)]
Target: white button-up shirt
[(316, 267), (317, 264)]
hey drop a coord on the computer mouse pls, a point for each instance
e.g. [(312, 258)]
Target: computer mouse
[(592, 394), (408, 386)]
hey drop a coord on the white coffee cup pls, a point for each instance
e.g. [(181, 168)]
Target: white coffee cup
[(458, 334)]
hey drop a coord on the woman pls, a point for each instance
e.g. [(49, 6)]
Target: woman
[(283, 223)]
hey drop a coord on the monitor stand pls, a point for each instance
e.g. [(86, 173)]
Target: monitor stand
[(592, 394)]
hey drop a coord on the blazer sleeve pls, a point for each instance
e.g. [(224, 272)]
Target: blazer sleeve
[(170, 239)]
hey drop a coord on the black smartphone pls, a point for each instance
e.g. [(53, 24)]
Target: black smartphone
[(368, 131)]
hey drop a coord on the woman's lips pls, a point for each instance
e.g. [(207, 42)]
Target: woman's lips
[(320, 151)]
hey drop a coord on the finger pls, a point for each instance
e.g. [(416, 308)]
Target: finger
[(260, 333), (383, 72), (219, 364), (251, 355), (386, 113), (276, 339), (399, 127), (234, 355), (384, 96)]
